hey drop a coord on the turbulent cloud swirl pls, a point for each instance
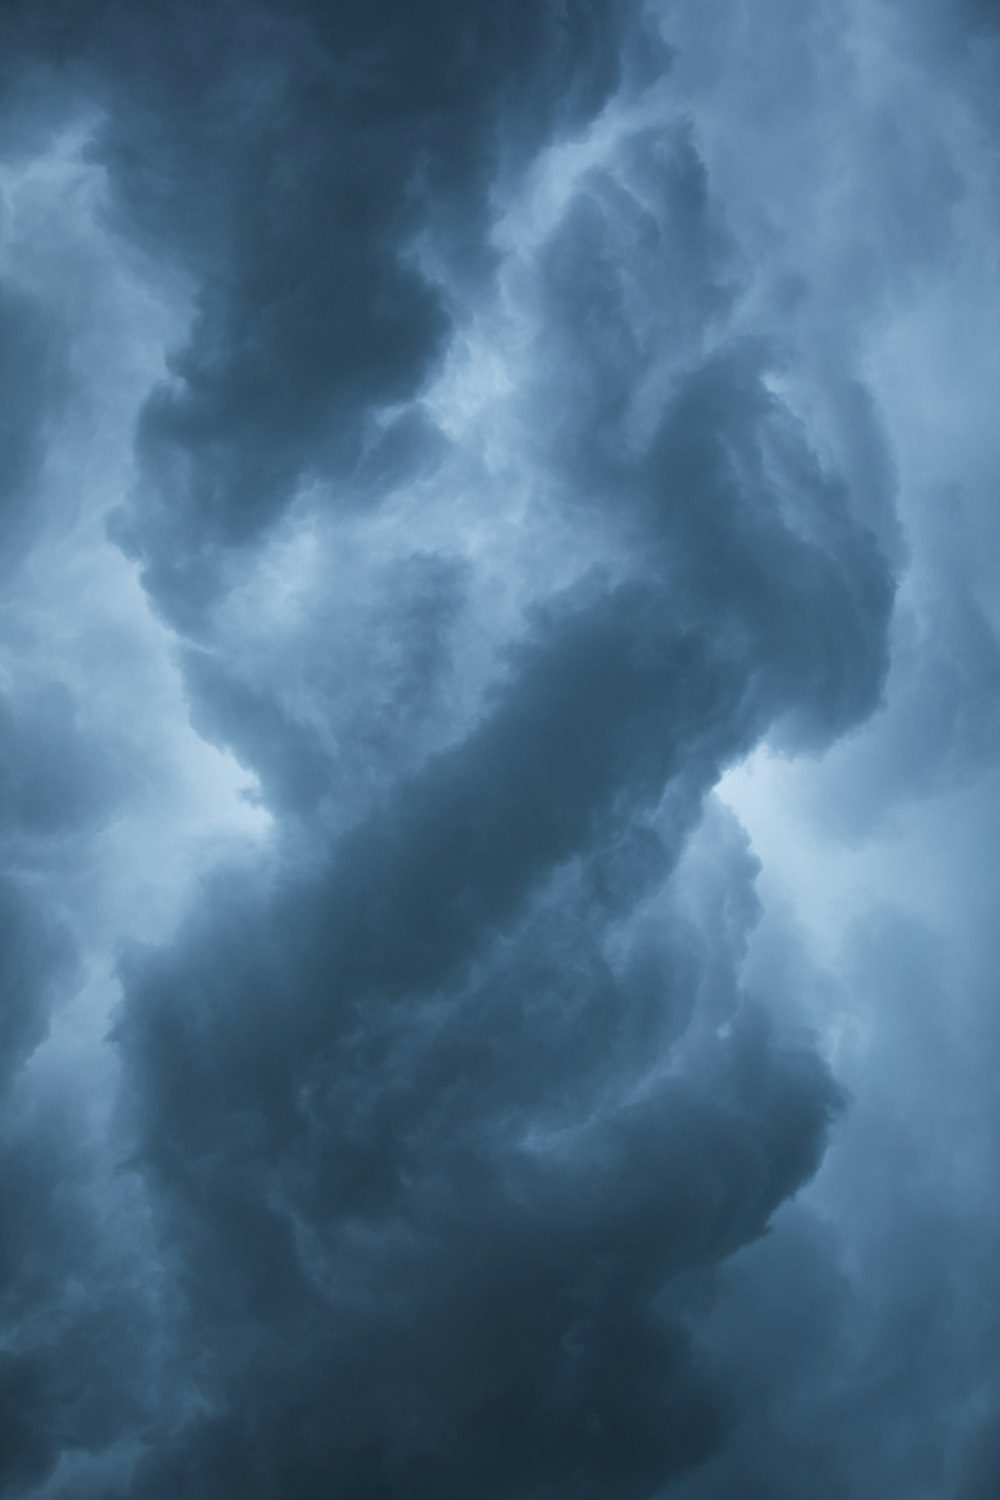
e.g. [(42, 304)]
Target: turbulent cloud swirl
[(499, 699)]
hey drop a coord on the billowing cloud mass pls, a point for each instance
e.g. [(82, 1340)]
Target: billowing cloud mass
[(499, 673)]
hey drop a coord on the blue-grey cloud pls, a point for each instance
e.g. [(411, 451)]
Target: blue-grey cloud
[(329, 143), (499, 425), (32, 377)]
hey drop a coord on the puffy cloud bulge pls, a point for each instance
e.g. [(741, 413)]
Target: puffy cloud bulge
[(441, 445)]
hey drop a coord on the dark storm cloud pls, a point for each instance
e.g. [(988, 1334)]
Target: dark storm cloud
[(784, 1300), (76, 1368), (857, 1340), (68, 1375), (82, 1346), (448, 1141), (35, 953), (725, 495), (68, 1380), (55, 778), (755, 533), (982, 1471), (78, 1339), (295, 157), (440, 1302), (408, 1119), (32, 381), (334, 1084), (639, 272), (940, 728), (303, 722), (287, 757)]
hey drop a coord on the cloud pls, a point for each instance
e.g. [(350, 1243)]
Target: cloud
[(446, 443), (446, 1233), (329, 147), (443, 1225), (31, 384)]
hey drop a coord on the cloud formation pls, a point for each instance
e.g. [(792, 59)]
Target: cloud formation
[(476, 613)]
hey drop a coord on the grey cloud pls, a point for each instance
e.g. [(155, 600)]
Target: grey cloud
[(341, 709), (35, 952), (81, 1343), (32, 382), (733, 505), (764, 537), (69, 1374), (328, 143), (35, 955), (55, 778), (332, 1085), (287, 757), (452, 1152), (856, 1339), (940, 727), (442, 1303), (982, 1471), (621, 692)]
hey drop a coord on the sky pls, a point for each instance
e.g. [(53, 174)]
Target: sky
[(499, 726)]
